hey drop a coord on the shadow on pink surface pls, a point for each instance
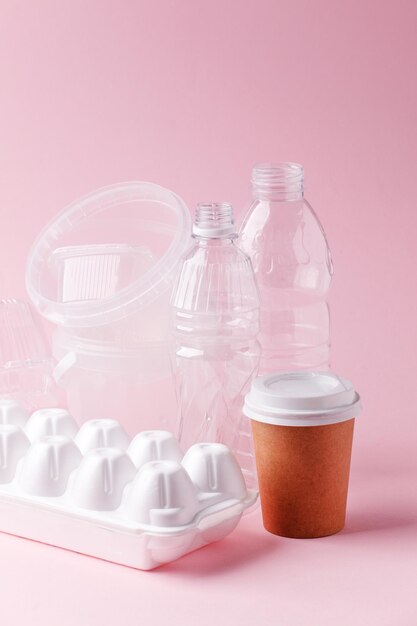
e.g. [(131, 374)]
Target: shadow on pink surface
[(241, 548), (382, 498), (379, 520)]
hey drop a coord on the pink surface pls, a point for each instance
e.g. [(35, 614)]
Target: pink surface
[(366, 575), (190, 95)]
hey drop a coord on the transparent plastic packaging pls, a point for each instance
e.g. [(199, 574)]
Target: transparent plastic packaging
[(291, 260), (102, 271), (215, 308), (139, 502), (26, 366)]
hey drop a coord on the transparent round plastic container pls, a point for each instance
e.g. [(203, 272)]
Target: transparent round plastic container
[(102, 271), (26, 365)]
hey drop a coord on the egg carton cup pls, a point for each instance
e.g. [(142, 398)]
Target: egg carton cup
[(91, 489)]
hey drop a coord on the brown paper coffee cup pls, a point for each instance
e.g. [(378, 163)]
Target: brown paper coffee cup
[(302, 424), (303, 476)]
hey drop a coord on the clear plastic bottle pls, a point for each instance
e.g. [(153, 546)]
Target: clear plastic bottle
[(215, 305), (291, 259)]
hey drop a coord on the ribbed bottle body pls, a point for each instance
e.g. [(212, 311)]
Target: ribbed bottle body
[(215, 312)]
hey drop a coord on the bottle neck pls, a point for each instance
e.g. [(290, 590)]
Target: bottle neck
[(218, 242), (280, 182), (214, 222)]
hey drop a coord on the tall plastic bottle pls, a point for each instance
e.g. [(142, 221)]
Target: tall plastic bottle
[(215, 307), (291, 259)]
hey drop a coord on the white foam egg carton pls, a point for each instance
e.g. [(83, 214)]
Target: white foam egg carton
[(91, 489)]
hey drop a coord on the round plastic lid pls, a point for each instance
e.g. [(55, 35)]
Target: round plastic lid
[(301, 399), (108, 255)]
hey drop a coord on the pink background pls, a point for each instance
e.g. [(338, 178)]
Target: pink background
[(190, 94)]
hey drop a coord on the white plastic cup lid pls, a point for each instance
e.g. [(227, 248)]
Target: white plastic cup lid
[(301, 399), (108, 255)]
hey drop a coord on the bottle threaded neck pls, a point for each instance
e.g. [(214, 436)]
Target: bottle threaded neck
[(214, 220), (278, 181)]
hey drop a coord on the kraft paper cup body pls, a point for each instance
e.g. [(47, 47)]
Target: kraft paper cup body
[(302, 426)]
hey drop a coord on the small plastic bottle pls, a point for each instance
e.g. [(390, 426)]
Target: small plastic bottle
[(291, 260), (215, 306)]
